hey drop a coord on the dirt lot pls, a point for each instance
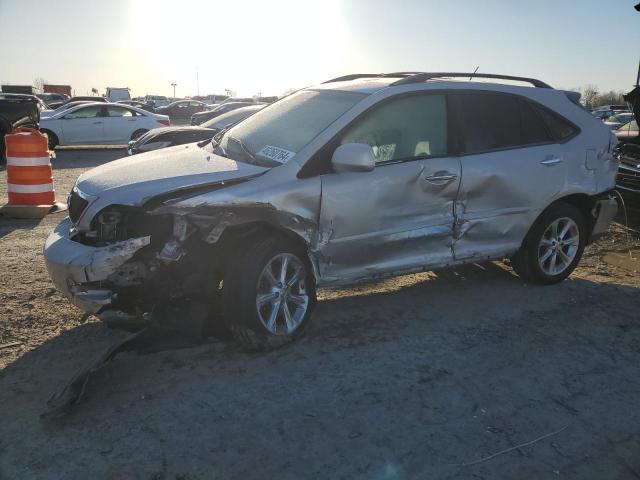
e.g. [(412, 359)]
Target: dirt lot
[(407, 378)]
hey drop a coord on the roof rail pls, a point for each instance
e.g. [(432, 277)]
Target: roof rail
[(423, 77), (355, 76)]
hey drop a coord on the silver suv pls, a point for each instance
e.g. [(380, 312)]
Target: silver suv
[(359, 178)]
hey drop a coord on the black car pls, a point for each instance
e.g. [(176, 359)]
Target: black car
[(134, 103), (200, 118), (171, 136), (182, 108), (53, 100), (628, 180), (85, 98), (16, 112), (24, 97)]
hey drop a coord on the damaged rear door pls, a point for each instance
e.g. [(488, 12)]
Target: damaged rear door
[(399, 216), (513, 167)]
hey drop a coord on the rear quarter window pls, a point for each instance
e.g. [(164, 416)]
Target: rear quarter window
[(559, 127)]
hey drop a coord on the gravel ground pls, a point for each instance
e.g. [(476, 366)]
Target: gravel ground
[(414, 377)]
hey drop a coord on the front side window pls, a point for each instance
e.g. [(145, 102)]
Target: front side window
[(404, 128), (87, 112), (274, 135)]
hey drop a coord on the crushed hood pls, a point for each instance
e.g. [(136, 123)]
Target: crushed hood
[(133, 180)]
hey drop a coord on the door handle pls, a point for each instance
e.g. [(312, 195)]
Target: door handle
[(97, 123), (439, 178), (549, 161), (131, 120)]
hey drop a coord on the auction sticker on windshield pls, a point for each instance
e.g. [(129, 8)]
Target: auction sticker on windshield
[(275, 153)]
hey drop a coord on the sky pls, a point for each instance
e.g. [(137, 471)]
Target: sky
[(268, 47)]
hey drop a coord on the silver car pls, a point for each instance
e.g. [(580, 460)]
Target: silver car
[(359, 178)]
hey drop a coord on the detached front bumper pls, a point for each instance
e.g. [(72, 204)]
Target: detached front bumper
[(604, 211), (79, 271)]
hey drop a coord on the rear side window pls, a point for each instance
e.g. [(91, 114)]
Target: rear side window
[(493, 121), (559, 127)]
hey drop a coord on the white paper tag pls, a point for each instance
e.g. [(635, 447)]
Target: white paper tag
[(275, 153)]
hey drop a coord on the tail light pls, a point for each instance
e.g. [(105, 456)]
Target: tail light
[(166, 122)]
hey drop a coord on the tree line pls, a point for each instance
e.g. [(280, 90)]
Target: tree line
[(591, 97)]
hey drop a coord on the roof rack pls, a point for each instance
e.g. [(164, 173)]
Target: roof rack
[(424, 76), (355, 76)]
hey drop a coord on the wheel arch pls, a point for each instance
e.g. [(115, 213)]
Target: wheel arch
[(235, 237), (52, 135), (583, 202)]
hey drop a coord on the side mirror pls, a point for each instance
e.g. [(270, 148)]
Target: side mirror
[(353, 157)]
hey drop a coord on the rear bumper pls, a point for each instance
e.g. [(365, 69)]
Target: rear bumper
[(79, 271)]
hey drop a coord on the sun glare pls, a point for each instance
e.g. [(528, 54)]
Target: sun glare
[(253, 47)]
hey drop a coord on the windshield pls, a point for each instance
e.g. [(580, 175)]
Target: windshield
[(622, 118), (229, 118), (274, 135)]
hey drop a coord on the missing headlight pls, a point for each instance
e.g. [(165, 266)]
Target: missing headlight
[(109, 222)]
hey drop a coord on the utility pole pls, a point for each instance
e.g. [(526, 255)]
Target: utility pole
[(174, 90), (198, 81)]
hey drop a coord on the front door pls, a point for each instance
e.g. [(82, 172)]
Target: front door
[(398, 217), (84, 125)]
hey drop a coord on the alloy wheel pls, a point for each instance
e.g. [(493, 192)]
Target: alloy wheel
[(558, 246), (282, 300)]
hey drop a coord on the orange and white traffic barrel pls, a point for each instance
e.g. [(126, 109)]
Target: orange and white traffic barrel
[(29, 176)]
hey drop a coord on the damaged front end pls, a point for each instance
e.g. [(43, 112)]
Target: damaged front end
[(131, 261)]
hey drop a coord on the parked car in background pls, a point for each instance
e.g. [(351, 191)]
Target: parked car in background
[(157, 100), (99, 123), (66, 106), (53, 100), (628, 180), (40, 105), (628, 132), (85, 98), (182, 109), (238, 99), (619, 119), (200, 118), (603, 113), (171, 136), (134, 103), (16, 111), (359, 178), (115, 94)]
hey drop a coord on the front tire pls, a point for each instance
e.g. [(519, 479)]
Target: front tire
[(553, 247), (52, 139), (268, 294)]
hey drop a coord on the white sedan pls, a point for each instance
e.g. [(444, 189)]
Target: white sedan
[(99, 124)]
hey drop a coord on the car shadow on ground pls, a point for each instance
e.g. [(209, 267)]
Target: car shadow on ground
[(8, 225), (86, 157), (426, 364)]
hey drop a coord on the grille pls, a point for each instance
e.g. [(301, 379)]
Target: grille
[(628, 178), (76, 205)]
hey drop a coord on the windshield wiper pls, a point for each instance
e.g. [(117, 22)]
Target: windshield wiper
[(244, 149)]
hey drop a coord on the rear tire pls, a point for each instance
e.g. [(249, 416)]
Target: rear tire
[(138, 133), (52, 139), (264, 307), (553, 247)]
